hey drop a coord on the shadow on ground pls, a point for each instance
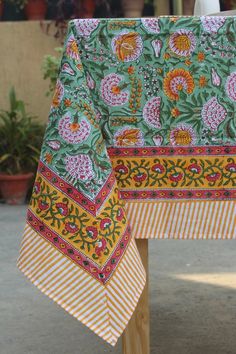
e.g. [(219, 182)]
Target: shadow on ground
[(192, 294)]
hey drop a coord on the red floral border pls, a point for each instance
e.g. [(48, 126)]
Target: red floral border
[(215, 194), (101, 274), (171, 151)]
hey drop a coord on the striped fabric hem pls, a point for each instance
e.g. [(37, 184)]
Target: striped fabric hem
[(107, 309), (182, 220)]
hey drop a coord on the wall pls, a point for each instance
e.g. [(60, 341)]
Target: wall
[(22, 48)]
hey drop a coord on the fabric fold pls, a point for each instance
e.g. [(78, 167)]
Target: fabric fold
[(77, 246)]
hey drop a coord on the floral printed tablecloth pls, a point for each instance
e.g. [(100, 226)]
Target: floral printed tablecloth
[(140, 143)]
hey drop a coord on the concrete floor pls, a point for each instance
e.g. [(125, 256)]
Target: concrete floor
[(193, 301)]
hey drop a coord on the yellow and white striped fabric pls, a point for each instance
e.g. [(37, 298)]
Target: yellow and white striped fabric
[(106, 310), (183, 219)]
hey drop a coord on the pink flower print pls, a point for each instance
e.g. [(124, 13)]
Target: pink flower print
[(122, 169), (62, 208), (182, 42), (176, 177), (195, 168), (158, 168), (105, 223), (79, 167), (157, 45), (127, 46), (73, 132), (37, 187), (231, 167), (111, 91), (71, 227), (157, 140), (213, 177), (151, 112), (140, 177), (183, 135), (230, 86), (120, 214), (42, 205), (100, 247), (85, 27), (213, 113), (98, 115), (92, 232), (215, 78), (90, 81), (212, 24), (54, 144), (151, 25), (66, 68)]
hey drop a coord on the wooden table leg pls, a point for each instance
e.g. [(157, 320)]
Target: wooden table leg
[(136, 338)]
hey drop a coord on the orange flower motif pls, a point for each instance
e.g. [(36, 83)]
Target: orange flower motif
[(202, 81), (188, 62), (128, 137), (131, 70), (175, 112), (67, 102), (127, 46), (166, 56), (48, 157), (72, 48), (80, 66), (58, 94), (178, 80), (74, 127), (115, 89), (200, 56)]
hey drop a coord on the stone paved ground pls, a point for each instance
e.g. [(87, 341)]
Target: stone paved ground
[(193, 301)]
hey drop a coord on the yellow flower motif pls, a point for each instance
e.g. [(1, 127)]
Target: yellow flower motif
[(48, 157), (182, 42), (202, 81), (127, 46), (175, 112), (166, 56), (201, 56), (128, 137), (178, 80), (58, 94), (188, 62), (72, 48)]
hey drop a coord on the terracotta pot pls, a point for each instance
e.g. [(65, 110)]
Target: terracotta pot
[(14, 188), (36, 9), (1, 9), (85, 9), (132, 8)]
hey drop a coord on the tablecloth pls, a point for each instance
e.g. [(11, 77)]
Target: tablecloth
[(140, 143)]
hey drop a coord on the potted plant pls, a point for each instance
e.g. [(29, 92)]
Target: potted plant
[(1, 8), (34, 9), (50, 67), (21, 138)]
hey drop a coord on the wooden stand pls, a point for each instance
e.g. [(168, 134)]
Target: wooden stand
[(136, 338)]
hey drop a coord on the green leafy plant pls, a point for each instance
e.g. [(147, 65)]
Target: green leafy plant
[(19, 4), (21, 138), (50, 69)]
